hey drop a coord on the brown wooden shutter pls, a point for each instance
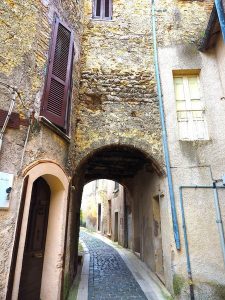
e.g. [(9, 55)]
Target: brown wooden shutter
[(55, 99)]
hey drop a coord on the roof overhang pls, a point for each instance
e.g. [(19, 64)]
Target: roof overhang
[(215, 26)]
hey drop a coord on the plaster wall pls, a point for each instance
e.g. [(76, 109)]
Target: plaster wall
[(190, 161), (117, 200), (101, 198), (89, 206), (142, 189), (220, 55)]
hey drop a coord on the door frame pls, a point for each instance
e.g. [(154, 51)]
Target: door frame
[(58, 182)]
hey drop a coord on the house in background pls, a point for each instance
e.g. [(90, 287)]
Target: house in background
[(103, 209)]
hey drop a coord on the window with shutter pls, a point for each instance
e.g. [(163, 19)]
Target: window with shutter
[(190, 110), (56, 98), (102, 9)]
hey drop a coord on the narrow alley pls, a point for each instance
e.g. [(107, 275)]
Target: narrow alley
[(112, 149), (109, 275)]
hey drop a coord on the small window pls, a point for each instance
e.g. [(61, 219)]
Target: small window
[(102, 9), (190, 110)]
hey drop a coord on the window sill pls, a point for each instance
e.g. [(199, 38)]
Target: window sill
[(101, 20), (196, 141), (54, 128)]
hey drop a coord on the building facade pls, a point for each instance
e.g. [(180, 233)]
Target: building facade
[(103, 210), (79, 87)]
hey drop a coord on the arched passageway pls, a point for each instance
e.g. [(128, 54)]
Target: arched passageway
[(141, 177)]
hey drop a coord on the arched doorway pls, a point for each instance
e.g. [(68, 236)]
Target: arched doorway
[(141, 175), (39, 258)]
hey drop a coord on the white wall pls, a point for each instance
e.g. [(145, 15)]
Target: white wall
[(190, 163)]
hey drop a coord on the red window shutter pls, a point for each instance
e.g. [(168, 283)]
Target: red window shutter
[(55, 99)]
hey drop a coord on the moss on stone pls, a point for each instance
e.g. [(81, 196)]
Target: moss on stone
[(66, 286), (178, 284)]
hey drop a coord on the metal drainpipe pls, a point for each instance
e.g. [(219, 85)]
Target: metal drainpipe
[(218, 221), (164, 134), (220, 12)]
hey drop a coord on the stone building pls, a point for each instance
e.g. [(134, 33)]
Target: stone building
[(103, 209), (82, 74)]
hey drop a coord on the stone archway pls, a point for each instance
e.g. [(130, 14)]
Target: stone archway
[(58, 183), (135, 169)]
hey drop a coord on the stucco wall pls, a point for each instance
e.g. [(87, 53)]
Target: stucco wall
[(142, 188), (190, 161), (220, 55), (117, 202)]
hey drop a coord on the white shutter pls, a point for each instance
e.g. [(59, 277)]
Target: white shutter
[(190, 112)]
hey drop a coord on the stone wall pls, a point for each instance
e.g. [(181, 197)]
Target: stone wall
[(182, 21), (25, 34), (117, 102)]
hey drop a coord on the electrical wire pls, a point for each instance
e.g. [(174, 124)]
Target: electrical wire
[(15, 90)]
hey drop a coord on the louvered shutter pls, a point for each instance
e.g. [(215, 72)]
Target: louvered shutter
[(55, 99)]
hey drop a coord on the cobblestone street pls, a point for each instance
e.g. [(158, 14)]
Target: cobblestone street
[(109, 277)]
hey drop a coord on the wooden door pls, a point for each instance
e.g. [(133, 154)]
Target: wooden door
[(30, 282)]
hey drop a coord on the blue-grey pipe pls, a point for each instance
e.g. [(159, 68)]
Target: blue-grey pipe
[(186, 244), (221, 16), (219, 222), (164, 134)]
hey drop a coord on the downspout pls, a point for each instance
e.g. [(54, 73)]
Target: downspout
[(218, 221), (221, 15), (164, 134)]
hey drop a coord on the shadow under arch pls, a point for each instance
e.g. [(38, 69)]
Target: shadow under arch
[(116, 162)]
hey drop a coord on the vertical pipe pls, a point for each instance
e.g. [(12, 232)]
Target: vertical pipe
[(219, 219), (221, 15), (186, 246), (164, 134)]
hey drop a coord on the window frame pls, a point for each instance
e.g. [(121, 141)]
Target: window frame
[(102, 10), (191, 120)]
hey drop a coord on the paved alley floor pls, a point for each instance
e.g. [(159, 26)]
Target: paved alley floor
[(109, 277)]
